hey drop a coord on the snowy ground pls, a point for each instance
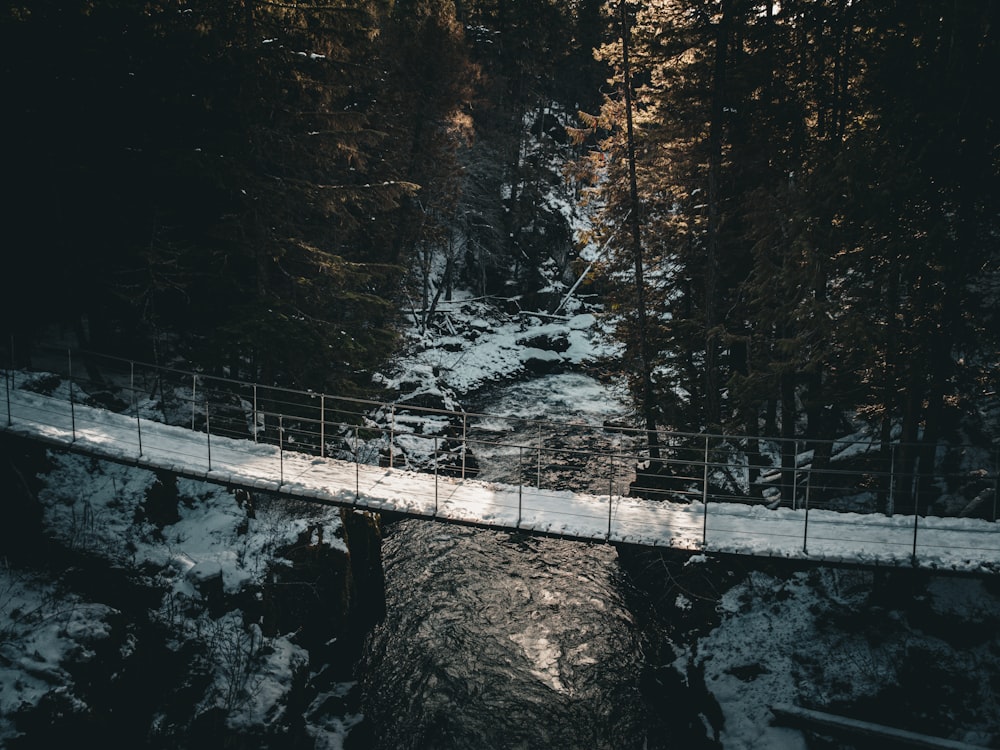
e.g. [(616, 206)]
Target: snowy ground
[(47, 632), (816, 639), (472, 344)]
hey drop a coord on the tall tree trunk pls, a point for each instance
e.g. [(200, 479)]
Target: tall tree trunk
[(789, 454), (740, 362), (648, 405), (820, 423), (771, 417), (887, 490), (909, 450), (819, 430), (713, 409)]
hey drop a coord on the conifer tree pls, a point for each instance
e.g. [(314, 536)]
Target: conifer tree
[(232, 182), (817, 181)]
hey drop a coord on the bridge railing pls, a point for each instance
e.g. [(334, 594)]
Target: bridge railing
[(857, 474)]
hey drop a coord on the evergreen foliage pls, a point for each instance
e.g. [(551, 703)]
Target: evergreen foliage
[(230, 176), (819, 187), (262, 186)]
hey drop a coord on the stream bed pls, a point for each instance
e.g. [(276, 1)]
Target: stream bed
[(504, 640)]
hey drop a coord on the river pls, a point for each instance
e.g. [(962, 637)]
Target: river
[(503, 640)]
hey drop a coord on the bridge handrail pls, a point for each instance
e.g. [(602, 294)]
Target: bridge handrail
[(873, 442), (703, 453), (191, 450)]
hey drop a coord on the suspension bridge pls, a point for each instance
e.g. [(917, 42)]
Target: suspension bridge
[(361, 454)]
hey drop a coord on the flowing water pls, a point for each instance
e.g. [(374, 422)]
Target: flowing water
[(495, 640), (572, 451), (503, 640)]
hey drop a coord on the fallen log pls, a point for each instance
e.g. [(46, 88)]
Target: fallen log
[(790, 715)]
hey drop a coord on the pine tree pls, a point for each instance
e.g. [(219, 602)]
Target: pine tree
[(233, 182)]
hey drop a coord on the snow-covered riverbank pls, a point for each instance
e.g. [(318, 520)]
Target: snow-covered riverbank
[(870, 646)]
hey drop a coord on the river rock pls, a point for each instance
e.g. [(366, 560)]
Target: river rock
[(541, 361), (550, 341), (206, 577), (326, 592)]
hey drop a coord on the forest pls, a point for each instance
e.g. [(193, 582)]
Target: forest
[(798, 202)]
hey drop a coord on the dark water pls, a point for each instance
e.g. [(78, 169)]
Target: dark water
[(571, 452), (500, 640), (494, 640)]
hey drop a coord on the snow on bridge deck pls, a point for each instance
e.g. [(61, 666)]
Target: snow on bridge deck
[(948, 544)]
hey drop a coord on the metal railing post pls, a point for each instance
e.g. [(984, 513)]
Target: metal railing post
[(465, 440), (996, 483), (805, 529), (704, 498), (254, 426), (322, 425), (357, 468), (611, 477), (7, 375), (8, 378), (520, 483), (208, 433), (916, 505), (891, 508), (135, 404), (538, 469), (194, 396), (795, 475), (611, 490), (281, 450), (392, 431), (72, 406), (435, 475)]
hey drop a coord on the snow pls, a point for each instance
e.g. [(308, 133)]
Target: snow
[(463, 361), (773, 642), (952, 544), (44, 623), (92, 507)]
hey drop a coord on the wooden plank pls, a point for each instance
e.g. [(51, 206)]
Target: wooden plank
[(805, 717)]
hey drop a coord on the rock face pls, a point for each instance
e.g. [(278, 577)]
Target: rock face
[(160, 507), (20, 464), (326, 593), (364, 542)]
